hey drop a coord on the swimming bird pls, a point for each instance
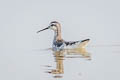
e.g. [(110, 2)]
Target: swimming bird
[(60, 44)]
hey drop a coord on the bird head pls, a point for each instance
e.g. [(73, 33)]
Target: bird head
[(54, 25)]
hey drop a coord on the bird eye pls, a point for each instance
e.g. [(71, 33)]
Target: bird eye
[(52, 24)]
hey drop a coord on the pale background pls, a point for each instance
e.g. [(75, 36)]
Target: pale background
[(20, 46)]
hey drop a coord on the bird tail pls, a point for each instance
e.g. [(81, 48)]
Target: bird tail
[(83, 43), (85, 40)]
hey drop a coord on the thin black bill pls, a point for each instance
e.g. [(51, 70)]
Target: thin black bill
[(43, 29)]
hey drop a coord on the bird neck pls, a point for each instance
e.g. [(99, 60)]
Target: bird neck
[(58, 36)]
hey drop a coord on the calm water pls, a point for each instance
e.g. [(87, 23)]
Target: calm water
[(25, 55), (92, 63)]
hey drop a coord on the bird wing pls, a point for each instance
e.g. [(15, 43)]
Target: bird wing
[(68, 43), (81, 43)]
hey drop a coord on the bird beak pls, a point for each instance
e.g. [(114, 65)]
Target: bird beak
[(43, 29)]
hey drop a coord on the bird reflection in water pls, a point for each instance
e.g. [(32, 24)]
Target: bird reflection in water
[(64, 54)]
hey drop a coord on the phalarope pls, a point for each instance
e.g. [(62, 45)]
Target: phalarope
[(58, 43)]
